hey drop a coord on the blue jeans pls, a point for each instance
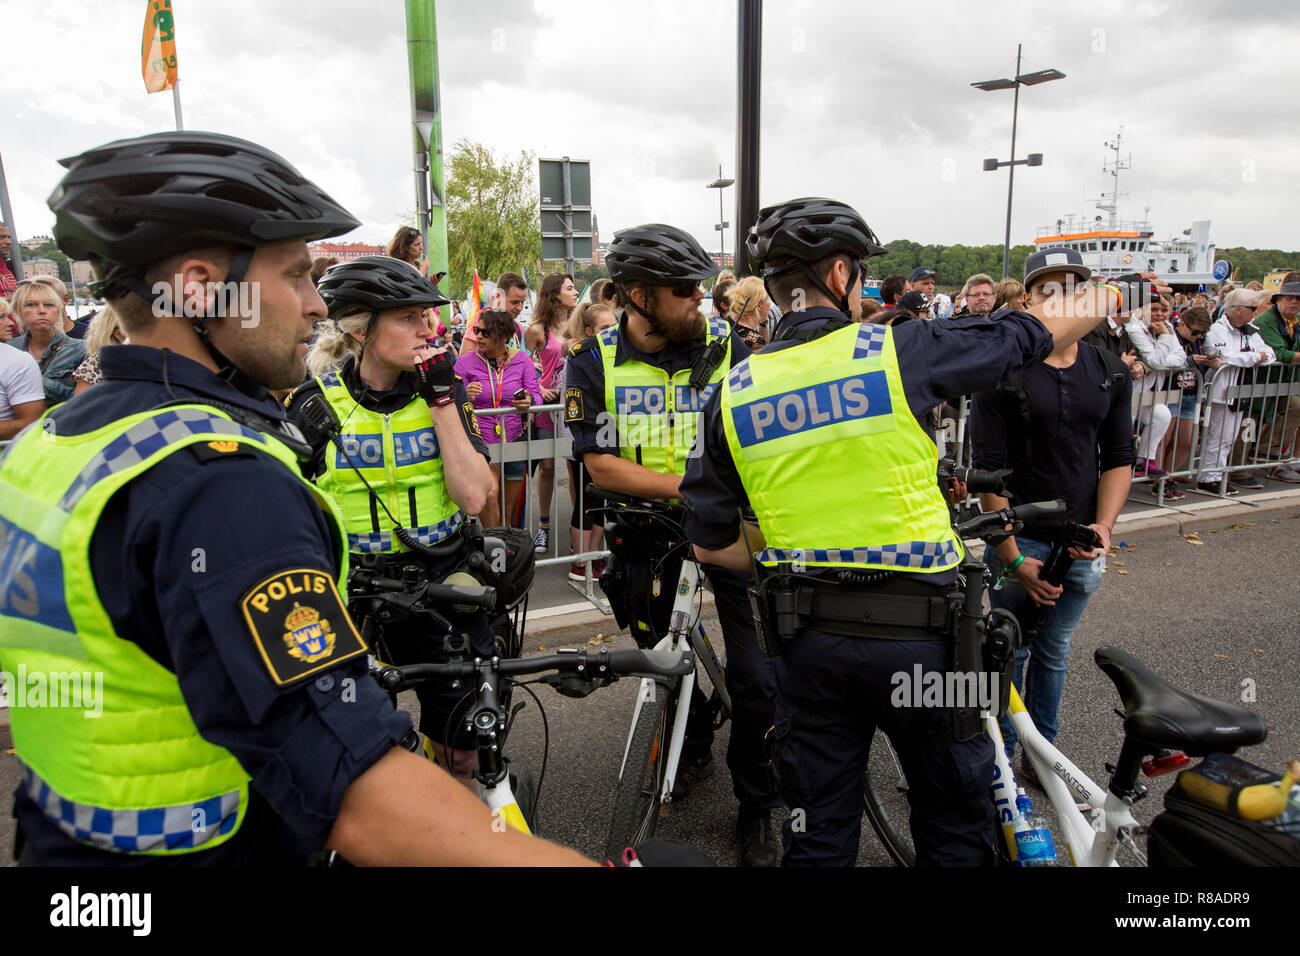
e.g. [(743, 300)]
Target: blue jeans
[(1041, 683)]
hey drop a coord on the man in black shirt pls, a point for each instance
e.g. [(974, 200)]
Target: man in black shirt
[(1077, 445)]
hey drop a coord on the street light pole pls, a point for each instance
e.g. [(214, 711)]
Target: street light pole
[(1011, 173), (720, 184), (1034, 159)]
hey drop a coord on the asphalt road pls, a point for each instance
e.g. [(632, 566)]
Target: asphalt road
[(1214, 618)]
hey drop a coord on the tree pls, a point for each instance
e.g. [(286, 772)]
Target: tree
[(493, 223)]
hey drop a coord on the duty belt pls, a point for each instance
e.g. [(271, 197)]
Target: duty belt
[(862, 614)]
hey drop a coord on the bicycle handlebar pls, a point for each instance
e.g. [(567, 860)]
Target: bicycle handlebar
[(480, 597), (622, 663)]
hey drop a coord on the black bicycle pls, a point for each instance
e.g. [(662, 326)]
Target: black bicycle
[(507, 787)]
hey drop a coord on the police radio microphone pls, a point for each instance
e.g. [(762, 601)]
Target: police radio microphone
[(712, 356), (317, 414)]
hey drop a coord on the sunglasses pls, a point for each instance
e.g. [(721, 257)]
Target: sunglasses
[(684, 290)]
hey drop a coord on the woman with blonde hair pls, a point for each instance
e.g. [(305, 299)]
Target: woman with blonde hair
[(749, 304), (105, 329), (403, 458), (40, 310)]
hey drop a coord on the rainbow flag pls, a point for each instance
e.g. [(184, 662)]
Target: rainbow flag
[(477, 293)]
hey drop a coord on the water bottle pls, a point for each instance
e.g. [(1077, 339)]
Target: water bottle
[(1034, 845)]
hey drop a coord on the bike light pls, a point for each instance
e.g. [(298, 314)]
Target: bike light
[(1159, 766)]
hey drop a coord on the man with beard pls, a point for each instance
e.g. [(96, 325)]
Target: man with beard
[(633, 413)]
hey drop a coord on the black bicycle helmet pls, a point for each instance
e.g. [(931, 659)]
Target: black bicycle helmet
[(658, 255), (135, 201), (376, 283), (805, 230)]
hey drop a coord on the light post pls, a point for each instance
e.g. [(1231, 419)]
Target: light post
[(720, 184), (1034, 159)]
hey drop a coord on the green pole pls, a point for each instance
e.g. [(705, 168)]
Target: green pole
[(426, 119)]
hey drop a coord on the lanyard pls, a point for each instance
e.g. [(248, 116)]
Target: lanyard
[(497, 385)]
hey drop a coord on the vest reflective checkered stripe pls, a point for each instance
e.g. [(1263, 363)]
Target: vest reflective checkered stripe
[(657, 414), (837, 468), (398, 455), (124, 780)]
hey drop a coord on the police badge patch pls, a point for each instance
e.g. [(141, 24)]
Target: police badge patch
[(573, 404), (299, 625)]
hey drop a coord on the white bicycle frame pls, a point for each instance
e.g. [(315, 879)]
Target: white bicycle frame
[(684, 633), (1091, 838)]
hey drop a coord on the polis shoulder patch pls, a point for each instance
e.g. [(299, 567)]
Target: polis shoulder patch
[(471, 420), (297, 620), (573, 404), (575, 348)]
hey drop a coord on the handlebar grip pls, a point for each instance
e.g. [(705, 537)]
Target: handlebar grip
[(480, 597), (662, 663), (1037, 509)]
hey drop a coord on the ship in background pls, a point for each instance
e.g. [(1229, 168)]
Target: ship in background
[(1111, 246)]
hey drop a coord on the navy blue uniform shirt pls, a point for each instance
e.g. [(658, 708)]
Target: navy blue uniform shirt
[(1078, 429), (586, 373), (937, 361), (174, 554)]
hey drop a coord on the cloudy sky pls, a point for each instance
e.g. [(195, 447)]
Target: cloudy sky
[(865, 102)]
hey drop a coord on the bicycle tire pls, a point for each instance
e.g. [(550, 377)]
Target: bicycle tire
[(885, 803), (636, 798)]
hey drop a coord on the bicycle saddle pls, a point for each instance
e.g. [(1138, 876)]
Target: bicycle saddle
[(1159, 713)]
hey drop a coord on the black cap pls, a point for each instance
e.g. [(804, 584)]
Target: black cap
[(1057, 259), (921, 272), (915, 302)]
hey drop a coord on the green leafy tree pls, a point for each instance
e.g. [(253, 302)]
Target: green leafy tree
[(493, 223)]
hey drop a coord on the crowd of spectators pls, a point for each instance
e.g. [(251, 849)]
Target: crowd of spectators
[(1170, 345)]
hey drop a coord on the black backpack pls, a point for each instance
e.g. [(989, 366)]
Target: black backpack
[(1016, 402)]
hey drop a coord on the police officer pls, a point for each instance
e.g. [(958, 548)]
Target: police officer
[(822, 433), (633, 416), (158, 533), (409, 456)]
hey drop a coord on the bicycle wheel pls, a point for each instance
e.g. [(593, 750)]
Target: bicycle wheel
[(884, 800), (636, 800)]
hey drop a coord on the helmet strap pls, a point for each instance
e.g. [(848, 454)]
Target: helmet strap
[(655, 328), (841, 301)]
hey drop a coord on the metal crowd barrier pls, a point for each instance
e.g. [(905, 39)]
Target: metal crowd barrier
[(558, 450), (1259, 435)]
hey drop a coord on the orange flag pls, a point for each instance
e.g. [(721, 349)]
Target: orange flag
[(158, 48)]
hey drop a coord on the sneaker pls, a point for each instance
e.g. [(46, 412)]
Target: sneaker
[(1212, 487), (1247, 481), (1171, 493), (755, 838), (689, 775), (1152, 470), (578, 571), (1287, 473), (542, 543), (598, 568)]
